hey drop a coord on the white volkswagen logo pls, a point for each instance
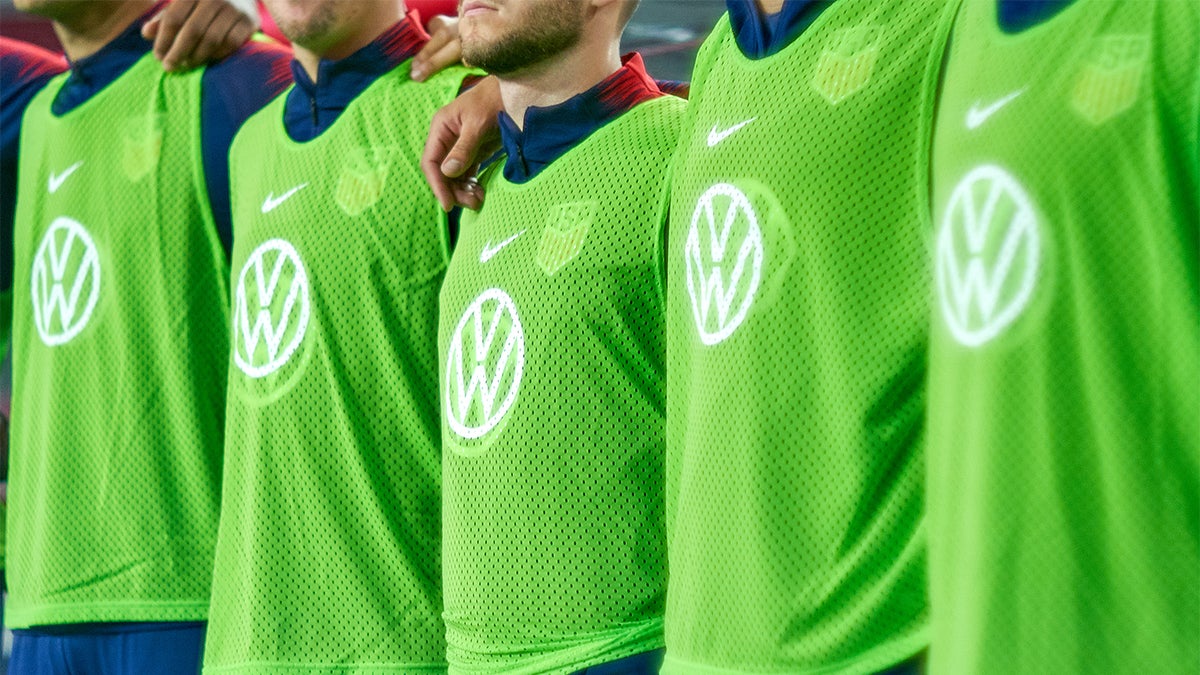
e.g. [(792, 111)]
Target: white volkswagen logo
[(722, 279), (62, 302), (485, 364), (988, 252), (271, 308)]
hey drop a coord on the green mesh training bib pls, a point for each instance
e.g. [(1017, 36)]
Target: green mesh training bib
[(119, 349), (5, 320), (329, 548), (797, 315), (1064, 401), (551, 344)]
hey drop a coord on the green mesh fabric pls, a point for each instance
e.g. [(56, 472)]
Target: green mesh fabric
[(119, 345), (797, 320), (328, 556), (1064, 437), (551, 345)]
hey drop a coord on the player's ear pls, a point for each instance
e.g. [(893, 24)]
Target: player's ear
[(597, 5), (621, 9)]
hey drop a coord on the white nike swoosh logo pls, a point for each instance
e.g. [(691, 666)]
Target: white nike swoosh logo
[(976, 116), (56, 181), (490, 251), (271, 202), (716, 136)]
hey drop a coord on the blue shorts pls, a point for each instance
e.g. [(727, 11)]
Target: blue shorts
[(109, 649), (913, 666), (646, 663)]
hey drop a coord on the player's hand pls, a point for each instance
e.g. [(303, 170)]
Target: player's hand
[(191, 33), (443, 50), (462, 134)]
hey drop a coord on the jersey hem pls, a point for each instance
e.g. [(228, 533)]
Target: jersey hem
[(603, 649), (252, 667), (19, 617), (882, 657)]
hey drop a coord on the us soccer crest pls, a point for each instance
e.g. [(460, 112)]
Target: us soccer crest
[(363, 180), (563, 238), (847, 63), (1109, 81), (142, 145)]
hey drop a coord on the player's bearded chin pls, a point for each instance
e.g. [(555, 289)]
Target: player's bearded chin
[(519, 33)]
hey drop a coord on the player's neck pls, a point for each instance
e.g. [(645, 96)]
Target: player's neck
[(91, 26), (553, 81), (770, 6), (335, 49)]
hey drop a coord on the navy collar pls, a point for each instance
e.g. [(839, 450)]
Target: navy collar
[(760, 36), (1015, 17), (312, 107), (553, 130), (92, 74)]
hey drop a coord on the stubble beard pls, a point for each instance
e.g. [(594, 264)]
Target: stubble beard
[(548, 32), (316, 28)]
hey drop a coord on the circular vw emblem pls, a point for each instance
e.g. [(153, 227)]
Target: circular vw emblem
[(65, 281), (484, 365), (988, 252), (723, 255), (270, 308)]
